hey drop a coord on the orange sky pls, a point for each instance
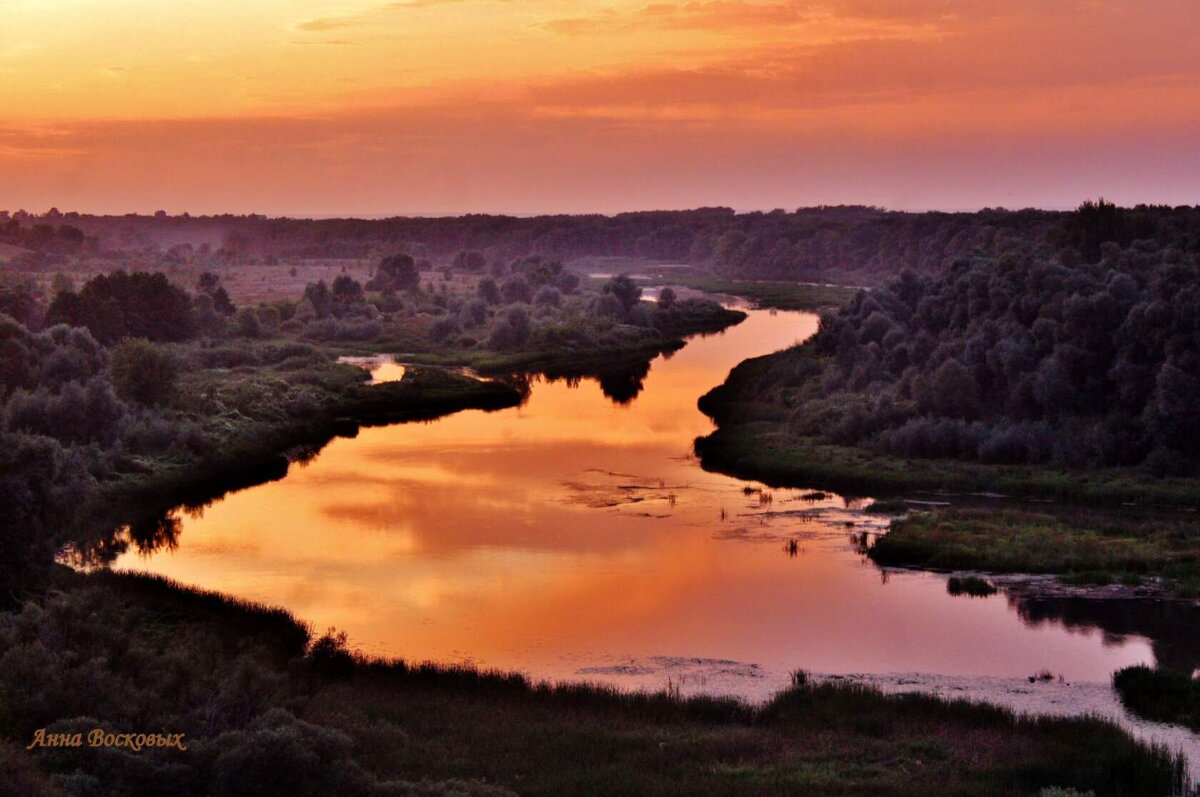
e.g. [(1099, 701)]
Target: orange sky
[(437, 106)]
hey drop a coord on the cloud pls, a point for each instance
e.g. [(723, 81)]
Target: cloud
[(721, 15), (325, 24), (917, 104), (1030, 50)]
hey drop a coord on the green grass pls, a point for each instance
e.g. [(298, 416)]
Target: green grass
[(771, 295), (130, 652), (1088, 547)]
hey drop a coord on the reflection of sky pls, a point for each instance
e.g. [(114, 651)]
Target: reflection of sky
[(545, 538)]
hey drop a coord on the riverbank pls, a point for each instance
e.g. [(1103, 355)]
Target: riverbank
[(765, 450), (1082, 547), (255, 407), (255, 444), (249, 684), (576, 352), (1160, 695)]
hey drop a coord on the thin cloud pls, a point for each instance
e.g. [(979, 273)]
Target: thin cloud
[(325, 24)]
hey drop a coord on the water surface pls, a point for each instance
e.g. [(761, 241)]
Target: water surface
[(577, 537)]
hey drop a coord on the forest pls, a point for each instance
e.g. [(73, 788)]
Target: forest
[(1087, 358), (847, 245)]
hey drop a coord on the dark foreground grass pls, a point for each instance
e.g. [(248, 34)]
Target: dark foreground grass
[(764, 450), (265, 715), (1087, 546), (1160, 695)]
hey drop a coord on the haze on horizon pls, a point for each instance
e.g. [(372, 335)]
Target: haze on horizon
[(369, 107)]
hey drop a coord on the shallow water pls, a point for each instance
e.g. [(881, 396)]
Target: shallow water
[(382, 367), (575, 537)]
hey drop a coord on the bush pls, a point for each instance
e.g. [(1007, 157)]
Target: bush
[(442, 329), (548, 297), (248, 325), (489, 291), (624, 289), (516, 289), (143, 372), (512, 331)]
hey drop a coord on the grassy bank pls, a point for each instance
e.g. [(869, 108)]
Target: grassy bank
[(1086, 547), (765, 450), (268, 710), (770, 295), (576, 352), (252, 407), (1160, 695), (251, 421)]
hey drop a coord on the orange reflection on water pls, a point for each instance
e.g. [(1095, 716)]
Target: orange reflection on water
[(574, 537)]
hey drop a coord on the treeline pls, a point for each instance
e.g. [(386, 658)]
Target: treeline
[(847, 245), (1018, 359)]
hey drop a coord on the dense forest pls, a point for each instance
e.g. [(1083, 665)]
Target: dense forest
[(845, 245), (1089, 357)]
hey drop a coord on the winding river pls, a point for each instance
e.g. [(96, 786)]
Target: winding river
[(575, 537)]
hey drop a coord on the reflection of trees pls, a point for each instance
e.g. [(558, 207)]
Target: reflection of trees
[(147, 533), (619, 382), (623, 385), (1173, 627)]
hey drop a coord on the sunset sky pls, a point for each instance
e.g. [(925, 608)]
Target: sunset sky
[(524, 106)]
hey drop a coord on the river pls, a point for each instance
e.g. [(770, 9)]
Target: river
[(576, 537)]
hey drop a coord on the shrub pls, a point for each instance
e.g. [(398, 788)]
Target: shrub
[(489, 291), (144, 372), (248, 325), (516, 289), (624, 289), (548, 297), (442, 329)]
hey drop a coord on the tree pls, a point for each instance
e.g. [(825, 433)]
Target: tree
[(118, 305), (666, 298), (470, 261), (318, 295), (397, 272), (222, 304), (548, 296), (567, 282), (624, 289), (143, 372), (489, 291), (347, 292), (207, 282), (516, 289), (248, 324)]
